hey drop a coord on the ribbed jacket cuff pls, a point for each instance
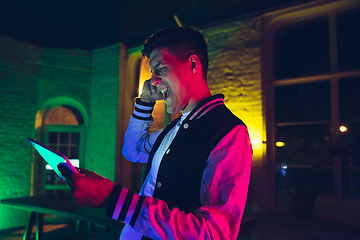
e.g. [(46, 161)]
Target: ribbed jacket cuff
[(143, 110), (124, 205)]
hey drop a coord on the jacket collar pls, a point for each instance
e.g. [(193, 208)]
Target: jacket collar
[(205, 106)]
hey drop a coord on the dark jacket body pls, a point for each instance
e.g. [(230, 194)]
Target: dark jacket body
[(179, 177)]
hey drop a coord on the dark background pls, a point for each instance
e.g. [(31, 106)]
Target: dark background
[(89, 25)]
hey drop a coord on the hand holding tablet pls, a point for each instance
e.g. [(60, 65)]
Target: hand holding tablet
[(88, 188)]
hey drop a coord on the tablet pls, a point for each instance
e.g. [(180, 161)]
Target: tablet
[(52, 157)]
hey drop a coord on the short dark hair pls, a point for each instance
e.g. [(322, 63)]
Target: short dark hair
[(181, 42)]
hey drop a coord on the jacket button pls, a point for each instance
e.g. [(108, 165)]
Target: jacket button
[(167, 151), (186, 125), (159, 184)]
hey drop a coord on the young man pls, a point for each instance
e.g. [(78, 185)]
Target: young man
[(198, 167)]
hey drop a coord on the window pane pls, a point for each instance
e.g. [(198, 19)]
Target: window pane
[(349, 150), (305, 167), (349, 98), (304, 145), (348, 39), (53, 138), (349, 145), (74, 154), (302, 49), (351, 190), (64, 138), (303, 102), (64, 150), (75, 138), (305, 189), (50, 177)]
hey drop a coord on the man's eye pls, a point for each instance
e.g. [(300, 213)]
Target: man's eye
[(159, 71)]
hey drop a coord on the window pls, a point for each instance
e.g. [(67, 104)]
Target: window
[(314, 116), (64, 133)]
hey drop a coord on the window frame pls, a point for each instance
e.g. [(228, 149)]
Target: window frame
[(272, 22)]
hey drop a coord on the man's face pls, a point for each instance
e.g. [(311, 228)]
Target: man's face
[(172, 77)]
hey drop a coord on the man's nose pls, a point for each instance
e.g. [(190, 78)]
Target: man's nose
[(155, 80)]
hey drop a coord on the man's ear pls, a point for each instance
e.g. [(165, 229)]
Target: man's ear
[(194, 61), (193, 65)]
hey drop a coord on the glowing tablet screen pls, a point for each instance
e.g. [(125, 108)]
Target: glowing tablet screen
[(52, 157)]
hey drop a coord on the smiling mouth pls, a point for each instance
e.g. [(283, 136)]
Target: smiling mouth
[(165, 92)]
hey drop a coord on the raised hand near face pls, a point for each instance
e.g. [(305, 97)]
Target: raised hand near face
[(150, 93)]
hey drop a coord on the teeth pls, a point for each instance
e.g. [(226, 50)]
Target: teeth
[(163, 91)]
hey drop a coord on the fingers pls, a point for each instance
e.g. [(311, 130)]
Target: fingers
[(146, 90), (84, 171), (150, 93), (88, 173), (149, 89)]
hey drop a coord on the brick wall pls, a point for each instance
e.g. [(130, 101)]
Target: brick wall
[(30, 77), (64, 72), (18, 97), (234, 70), (101, 140)]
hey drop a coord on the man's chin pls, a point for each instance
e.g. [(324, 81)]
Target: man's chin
[(170, 111)]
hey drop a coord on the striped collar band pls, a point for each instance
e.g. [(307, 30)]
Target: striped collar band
[(206, 105)]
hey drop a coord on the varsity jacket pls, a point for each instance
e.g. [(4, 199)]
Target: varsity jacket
[(182, 193), (183, 164)]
